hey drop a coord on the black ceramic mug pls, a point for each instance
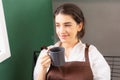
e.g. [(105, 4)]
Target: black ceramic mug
[(57, 56)]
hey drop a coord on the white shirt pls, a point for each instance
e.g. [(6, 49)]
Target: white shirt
[(99, 66)]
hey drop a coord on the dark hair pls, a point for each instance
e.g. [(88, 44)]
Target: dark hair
[(75, 12)]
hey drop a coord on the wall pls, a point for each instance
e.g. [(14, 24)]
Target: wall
[(102, 23), (29, 25)]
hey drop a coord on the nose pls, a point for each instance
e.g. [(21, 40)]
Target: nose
[(62, 29)]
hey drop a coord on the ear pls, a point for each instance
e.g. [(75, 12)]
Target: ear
[(80, 26)]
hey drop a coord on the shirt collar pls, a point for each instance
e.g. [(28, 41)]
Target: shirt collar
[(78, 44)]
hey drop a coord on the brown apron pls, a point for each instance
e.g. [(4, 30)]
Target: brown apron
[(75, 70)]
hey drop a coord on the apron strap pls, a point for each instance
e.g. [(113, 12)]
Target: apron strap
[(86, 53)]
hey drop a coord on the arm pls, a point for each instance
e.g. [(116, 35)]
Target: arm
[(99, 66), (42, 65)]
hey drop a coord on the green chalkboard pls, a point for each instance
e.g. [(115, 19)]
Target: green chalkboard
[(29, 25)]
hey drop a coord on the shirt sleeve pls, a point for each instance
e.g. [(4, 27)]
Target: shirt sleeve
[(99, 66), (37, 66)]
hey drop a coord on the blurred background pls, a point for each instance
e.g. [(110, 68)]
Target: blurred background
[(102, 23)]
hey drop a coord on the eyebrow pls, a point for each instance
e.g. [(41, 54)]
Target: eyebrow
[(67, 23)]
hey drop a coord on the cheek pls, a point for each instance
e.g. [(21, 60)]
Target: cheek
[(74, 32), (57, 31)]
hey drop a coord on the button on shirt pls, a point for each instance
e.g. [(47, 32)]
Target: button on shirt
[(99, 66)]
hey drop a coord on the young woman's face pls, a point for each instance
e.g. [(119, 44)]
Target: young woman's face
[(66, 28)]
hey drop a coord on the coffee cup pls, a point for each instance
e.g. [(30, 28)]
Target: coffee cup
[(57, 56)]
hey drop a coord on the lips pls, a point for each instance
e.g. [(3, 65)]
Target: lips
[(63, 36)]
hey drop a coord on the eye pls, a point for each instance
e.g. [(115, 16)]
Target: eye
[(57, 25), (68, 25)]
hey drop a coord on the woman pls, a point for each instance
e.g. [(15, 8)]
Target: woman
[(83, 62)]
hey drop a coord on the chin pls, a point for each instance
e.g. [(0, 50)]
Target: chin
[(63, 41)]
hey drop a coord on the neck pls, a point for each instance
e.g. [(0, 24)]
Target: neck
[(69, 44)]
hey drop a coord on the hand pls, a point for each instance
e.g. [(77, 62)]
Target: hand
[(45, 60)]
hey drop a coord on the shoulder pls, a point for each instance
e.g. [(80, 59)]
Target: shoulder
[(95, 56), (44, 49), (93, 49), (94, 53)]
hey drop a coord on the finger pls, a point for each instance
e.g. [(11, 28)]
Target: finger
[(44, 59), (46, 63)]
